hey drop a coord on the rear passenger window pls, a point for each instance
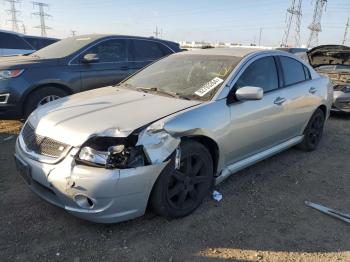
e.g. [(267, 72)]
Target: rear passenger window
[(293, 71), (12, 41), (143, 50), (261, 73)]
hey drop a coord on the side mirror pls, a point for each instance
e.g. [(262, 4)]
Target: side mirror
[(249, 93), (91, 58)]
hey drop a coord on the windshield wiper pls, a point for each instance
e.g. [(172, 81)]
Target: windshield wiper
[(167, 93)]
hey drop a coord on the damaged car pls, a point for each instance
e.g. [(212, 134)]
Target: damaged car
[(333, 61), (164, 137)]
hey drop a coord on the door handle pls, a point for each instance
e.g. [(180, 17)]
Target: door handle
[(312, 90), (279, 100), (124, 68)]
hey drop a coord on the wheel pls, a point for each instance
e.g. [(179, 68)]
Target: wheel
[(178, 193), (313, 131), (41, 97)]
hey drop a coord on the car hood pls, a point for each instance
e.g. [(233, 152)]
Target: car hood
[(108, 111), (329, 55), (22, 61)]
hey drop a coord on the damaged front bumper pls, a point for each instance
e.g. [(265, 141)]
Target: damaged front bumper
[(341, 101), (92, 193)]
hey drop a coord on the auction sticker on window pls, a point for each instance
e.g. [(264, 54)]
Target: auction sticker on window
[(209, 86)]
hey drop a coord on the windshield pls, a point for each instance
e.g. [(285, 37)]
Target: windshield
[(337, 68), (63, 48), (188, 76)]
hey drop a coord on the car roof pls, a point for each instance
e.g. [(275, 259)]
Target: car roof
[(23, 35), (102, 36), (231, 51)]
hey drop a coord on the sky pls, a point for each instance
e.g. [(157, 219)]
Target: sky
[(192, 20)]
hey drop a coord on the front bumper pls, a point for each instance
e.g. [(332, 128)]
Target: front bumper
[(115, 195), (341, 101)]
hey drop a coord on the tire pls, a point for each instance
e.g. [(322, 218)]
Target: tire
[(313, 132), (38, 96), (178, 193)]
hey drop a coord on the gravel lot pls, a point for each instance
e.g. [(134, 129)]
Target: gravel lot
[(262, 216)]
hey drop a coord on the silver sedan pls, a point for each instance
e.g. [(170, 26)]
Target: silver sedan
[(165, 136)]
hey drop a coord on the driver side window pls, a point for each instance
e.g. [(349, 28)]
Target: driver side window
[(261, 73), (109, 51)]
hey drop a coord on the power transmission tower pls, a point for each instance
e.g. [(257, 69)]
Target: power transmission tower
[(74, 32), (294, 14), (315, 25), (13, 12), (42, 14), (346, 32)]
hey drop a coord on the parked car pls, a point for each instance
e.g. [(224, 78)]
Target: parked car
[(12, 43), (73, 65), (163, 137), (292, 50), (333, 61)]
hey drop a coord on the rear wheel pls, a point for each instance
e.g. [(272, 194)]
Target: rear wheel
[(178, 192), (41, 97), (313, 132)]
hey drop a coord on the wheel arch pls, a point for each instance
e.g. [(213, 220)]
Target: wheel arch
[(211, 145), (324, 110), (41, 86)]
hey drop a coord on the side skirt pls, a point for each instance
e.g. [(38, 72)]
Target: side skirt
[(229, 170)]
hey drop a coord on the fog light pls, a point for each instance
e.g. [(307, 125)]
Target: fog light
[(83, 201)]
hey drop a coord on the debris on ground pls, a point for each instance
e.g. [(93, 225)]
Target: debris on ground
[(8, 138), (328, 211), (216, 195)]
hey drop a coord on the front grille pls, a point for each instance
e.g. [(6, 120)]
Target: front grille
[(40, 144)]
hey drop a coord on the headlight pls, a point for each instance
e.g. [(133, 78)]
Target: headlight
[(346, 89), (100, 152), (91, 155), (6, 74)]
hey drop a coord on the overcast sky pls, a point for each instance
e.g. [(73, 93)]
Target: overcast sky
[(208, 20)]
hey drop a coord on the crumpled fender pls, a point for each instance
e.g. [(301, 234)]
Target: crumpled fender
[(158, 144)]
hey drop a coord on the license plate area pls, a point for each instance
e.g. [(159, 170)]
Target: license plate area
[(23, 169)]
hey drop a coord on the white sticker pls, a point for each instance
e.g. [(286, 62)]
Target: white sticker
[(209, 86)]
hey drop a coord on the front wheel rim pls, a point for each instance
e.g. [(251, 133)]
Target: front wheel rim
[(47, 99), (187, 183)]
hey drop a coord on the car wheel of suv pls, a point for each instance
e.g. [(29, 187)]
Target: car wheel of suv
[(313, 132), (178, 192), (42, 96)]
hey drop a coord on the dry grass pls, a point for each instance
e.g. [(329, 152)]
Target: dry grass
[(10, 127)]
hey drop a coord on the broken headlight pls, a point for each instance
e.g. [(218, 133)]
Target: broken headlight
[(106, 152)]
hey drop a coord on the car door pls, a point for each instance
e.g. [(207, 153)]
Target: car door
[(143, 52), (301, 96), (111, 68), (256, 125)]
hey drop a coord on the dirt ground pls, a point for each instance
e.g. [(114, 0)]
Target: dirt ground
[(262, 216)]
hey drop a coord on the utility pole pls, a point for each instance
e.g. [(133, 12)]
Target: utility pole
[(156, 33), (315, 26), (261, 29), (293, 12), (13, 12), (42, 14), (24, 29), (346, 32)]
